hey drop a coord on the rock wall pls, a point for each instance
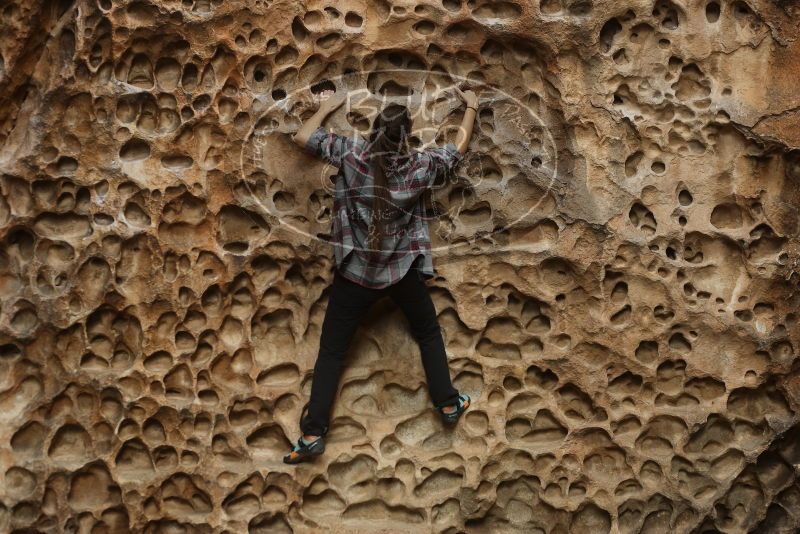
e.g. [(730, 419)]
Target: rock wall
[(617, 267)]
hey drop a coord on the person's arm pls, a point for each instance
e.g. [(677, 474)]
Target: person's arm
[(326, 107), (465, 129), (329, 146), (440, 160)]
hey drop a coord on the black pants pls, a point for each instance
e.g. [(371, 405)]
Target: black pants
[(348, 302)]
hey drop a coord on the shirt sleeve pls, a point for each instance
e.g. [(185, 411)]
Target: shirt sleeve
[(441, 160), (329, 146), (430, 164)]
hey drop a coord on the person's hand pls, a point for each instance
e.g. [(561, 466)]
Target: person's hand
[(469, 97), (330, 100)]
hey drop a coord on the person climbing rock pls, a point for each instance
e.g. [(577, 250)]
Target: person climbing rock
[(381, 247)]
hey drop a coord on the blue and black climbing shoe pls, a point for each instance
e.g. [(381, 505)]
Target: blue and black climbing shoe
[(305, 450), (461, 407)]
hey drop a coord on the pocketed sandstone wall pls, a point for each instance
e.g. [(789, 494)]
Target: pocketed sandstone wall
[(617, 261)]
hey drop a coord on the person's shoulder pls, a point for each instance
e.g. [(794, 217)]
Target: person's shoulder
[(429, 152), (423, 152), (420, 157), (357, 143)]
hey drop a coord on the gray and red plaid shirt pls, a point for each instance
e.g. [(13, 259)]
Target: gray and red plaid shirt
[(406, 235)]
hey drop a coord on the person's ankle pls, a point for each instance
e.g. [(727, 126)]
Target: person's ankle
[(308, 438), (449, 409)]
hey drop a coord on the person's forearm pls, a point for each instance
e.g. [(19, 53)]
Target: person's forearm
[(311, 124), (465, 130)]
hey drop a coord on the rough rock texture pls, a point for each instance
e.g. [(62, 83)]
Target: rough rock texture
[(617, 266)]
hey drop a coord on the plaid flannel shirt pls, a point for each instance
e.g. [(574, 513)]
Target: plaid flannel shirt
[(406, 235)]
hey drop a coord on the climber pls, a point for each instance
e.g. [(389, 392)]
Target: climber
[(381, 246)]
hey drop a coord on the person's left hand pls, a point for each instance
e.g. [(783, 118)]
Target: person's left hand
[(469, 97), (331, 100)]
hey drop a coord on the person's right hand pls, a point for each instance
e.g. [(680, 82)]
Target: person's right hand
[(331, 100), (469, 97)]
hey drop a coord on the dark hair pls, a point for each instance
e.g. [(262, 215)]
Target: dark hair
[(389, 136)]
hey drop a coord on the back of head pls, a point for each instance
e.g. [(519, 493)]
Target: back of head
[(390, 130)]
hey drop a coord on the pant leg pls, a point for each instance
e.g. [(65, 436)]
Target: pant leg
[(347, 304), (412, 296)]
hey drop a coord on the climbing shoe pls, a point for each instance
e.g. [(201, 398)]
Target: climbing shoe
[(461, 407), (304, 450)]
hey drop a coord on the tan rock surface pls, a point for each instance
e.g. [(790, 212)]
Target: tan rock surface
[(618, 268)]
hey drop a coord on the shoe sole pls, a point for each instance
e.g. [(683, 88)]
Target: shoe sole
[(296, 457), (458, 413)]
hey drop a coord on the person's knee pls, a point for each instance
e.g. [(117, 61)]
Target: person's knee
[(335, 340), (332, 351), (427, 332)]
